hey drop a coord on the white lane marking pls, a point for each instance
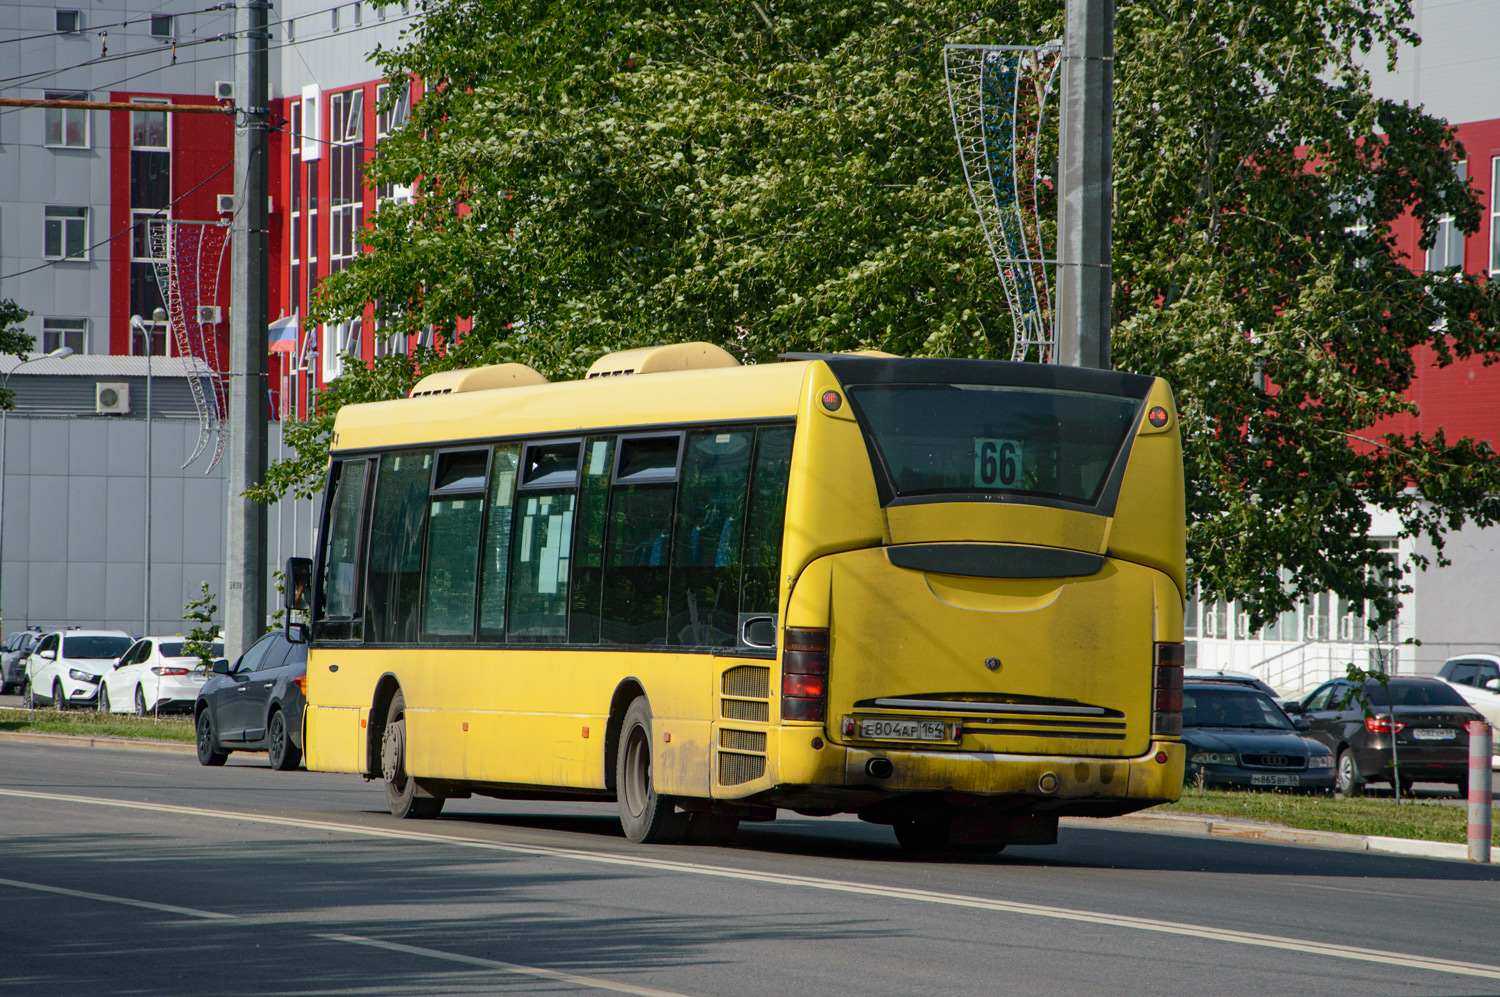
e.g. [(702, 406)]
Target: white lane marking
[(505, 967), (166, 908), (468, 960), (1228, 935)]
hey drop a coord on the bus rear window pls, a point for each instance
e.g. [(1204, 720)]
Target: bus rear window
[(937, 439)]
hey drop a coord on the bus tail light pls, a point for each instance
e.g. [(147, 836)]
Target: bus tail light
[(1384, 725), (301, 683), (1167, 690), (804, 674)]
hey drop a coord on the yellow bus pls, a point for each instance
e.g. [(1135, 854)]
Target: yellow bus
[(943, 595)]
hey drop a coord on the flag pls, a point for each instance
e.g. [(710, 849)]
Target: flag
[(282, 335)]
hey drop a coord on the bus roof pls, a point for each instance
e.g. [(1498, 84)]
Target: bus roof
[(759, 391)]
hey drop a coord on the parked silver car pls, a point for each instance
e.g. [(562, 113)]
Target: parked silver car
[(13, 654)]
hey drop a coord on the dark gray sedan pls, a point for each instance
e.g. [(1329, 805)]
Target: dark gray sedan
[(256, 704), (1424, 717), (1238, 736)]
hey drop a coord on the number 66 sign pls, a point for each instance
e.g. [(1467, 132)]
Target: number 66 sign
[(997, 463)]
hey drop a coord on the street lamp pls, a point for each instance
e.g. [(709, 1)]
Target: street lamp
[(158, 316), (59, 353)]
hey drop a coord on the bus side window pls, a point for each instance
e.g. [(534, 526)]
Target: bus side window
[(341, 558), (495, 553), (541, 557), (773, 463), (588, 540), (455, 515), (638, 547), (705, 581), (393, 579)]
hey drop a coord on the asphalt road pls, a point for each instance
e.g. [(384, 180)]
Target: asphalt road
[(126, 872)]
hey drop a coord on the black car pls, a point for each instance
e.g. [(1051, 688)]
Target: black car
[(1425, 716), (1238, 736), (256, 704)]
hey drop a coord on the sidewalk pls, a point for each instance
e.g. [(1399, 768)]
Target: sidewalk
[(1245, 830)]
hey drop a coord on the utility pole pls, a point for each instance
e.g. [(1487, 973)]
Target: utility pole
[(1086, 185), (245, 598)]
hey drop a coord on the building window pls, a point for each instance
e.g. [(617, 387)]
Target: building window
[(1447, 253), (67, 127), (345, 178), (157, 333), (161, 26), (66, 236), (334, 16), (148, 129), (390, 118), (70, 332), (1495, 215), (69, 22), (380, 13), (359, 15), (291, 29), (143, 248)]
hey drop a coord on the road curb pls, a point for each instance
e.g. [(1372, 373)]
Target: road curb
[(1241, 830), (84, 741)]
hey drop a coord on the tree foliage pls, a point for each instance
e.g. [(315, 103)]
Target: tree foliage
[(13, 341), (781, 176)]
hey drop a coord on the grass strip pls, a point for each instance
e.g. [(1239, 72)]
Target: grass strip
[(1419, 819), (88, 723)]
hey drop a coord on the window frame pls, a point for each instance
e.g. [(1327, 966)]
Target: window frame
[(166, 120), (1447, 233), (62, 332), (64, 223), (64, 114), (650, 476), (62, 15), (344, 628)]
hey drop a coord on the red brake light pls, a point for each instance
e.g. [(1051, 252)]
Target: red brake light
[(1166, 687), (167, 670), (1383, 725), (804, 671), (301, 681)]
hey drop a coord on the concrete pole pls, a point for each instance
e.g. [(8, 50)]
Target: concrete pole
[(245, 596), (1086, 186), (1481, 746)]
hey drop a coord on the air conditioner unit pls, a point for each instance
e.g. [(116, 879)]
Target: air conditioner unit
[(111, 399), (226, 204), (209, 315), (224, 90)]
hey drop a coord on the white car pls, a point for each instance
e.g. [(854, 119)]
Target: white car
[(155, 676), (65, 668), (1477, 679)]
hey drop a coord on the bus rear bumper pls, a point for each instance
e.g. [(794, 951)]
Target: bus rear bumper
[(1061, 783)]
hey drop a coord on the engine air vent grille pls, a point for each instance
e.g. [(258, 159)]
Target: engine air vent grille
[(749, 681), (743, 740), (736, 769), (746, 709)]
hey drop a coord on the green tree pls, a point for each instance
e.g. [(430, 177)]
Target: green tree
[(200, 640), (776, 176), (13, 341)]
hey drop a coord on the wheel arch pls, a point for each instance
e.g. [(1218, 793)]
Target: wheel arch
[(625, 694), (386, 688)]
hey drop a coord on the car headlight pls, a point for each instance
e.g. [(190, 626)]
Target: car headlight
[(1213, 758), (1320, 762), (79, 675)]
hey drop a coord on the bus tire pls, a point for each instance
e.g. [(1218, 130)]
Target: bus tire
[(401, 789), (646, 816)]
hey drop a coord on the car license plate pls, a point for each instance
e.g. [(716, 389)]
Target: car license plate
[(1266, 779), (903, 730), (1434, 734)]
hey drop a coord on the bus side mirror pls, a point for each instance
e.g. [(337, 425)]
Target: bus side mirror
[(296, 633), (297, 585)]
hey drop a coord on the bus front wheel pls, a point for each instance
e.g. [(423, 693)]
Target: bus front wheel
[(400, 788), (646, 816)]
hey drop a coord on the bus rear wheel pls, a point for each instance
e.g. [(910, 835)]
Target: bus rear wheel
[(646, 816), (400, 788)]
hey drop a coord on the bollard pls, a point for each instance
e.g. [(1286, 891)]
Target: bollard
[(1481, 739)]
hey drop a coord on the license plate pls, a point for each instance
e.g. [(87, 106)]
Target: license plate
[(903, 730), (1266, 779), (1434, 734)]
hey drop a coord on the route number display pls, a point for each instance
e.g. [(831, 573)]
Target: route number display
[(997, 463)]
